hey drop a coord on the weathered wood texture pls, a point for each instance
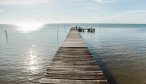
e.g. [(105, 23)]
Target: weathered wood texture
[(73, 39), (73, 64)]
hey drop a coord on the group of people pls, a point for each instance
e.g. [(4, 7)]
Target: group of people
[(77, 27)]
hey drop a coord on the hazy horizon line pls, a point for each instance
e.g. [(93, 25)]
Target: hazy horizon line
[(73, 23)]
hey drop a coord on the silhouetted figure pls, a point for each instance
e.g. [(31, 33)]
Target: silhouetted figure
[(76, 27)]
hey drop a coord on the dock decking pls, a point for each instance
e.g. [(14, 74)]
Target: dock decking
[(73, 64)]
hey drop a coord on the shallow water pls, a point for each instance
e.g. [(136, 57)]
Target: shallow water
[(26, 56), (123, 52), (120, 49)]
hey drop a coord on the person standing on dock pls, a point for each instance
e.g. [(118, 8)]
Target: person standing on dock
[(76, 27)]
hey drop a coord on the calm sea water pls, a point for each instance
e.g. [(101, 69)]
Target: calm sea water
[(120, 50)]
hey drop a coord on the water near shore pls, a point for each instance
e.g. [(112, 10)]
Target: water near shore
[(119, 48)]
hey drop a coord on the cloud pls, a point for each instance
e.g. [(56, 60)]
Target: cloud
[(22, 2), (137, 16), (2, 10), (105, 1)]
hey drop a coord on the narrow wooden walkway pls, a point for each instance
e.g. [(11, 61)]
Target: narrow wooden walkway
[(73, 64)]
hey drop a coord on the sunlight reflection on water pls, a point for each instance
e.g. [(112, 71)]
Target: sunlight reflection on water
[(29, 27), (32, 59)]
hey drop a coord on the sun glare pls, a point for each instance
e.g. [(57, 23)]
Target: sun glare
[(32, 59), (29, 27)]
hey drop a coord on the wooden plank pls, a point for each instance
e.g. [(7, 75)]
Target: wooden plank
[(75, 72), (76, 67), (73, 64), (67, 81), (75, 77)]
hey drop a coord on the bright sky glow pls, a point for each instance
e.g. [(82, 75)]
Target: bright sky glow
[(72, 11)]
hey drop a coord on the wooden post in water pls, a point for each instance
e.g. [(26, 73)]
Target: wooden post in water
[(100, 28), (6, 36), (57, 36), (73, 64)]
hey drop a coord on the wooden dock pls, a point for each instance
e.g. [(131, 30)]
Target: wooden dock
[(73, 64)]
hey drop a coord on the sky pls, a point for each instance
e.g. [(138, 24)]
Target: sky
[(72, 11)]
